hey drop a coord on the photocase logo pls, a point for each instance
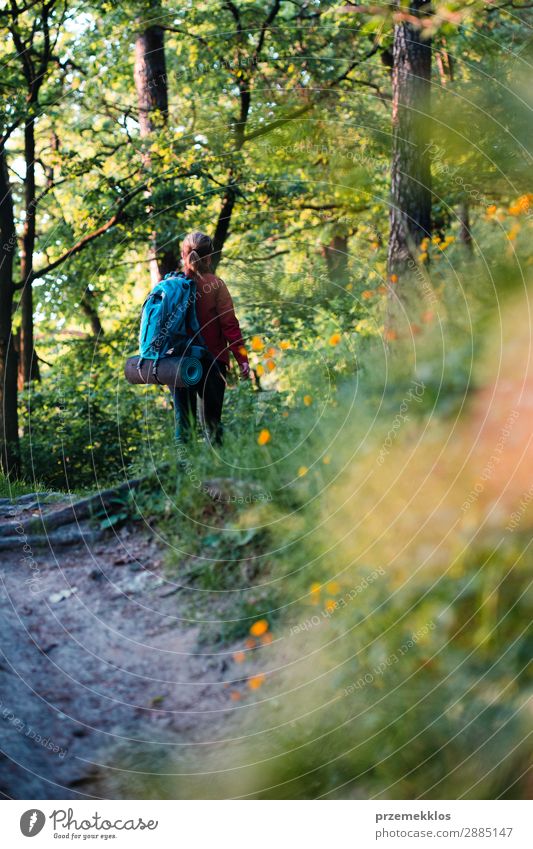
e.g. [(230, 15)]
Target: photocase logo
[(32, 822)]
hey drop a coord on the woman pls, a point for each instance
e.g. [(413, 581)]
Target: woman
[(221, 333)]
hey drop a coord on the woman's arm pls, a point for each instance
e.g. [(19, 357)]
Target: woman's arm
[(230, 326)]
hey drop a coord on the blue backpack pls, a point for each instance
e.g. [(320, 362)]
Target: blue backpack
[(168, 319)]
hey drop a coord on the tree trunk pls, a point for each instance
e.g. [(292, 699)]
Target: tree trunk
[(410, 213), (465, 234), (28, 364), (151, 80), (9, 439), (223, 222), (88, 305), (336, 256), (230, 195), (152, 96)]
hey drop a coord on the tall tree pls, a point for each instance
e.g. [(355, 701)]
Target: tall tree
[(243, 79), (34, 37), (335, 253), (261, 81), (31, 47), (9, 452), (410, 210), (151, 84)]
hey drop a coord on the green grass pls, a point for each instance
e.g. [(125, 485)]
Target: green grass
[(14, 488)]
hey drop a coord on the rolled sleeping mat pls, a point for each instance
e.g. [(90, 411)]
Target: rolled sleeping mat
[(177, 372)]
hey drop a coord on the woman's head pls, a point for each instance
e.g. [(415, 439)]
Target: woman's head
[(196, 252)]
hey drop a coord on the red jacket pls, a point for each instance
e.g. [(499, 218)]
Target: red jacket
[(218, 323)]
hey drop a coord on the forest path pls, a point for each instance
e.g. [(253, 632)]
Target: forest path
[(96, 653)]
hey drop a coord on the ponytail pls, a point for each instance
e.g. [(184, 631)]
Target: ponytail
[(196, 251)]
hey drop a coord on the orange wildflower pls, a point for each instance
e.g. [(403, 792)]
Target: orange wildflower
[(520, 205), (335, 339), (257, 344), (264, 437), (259, 628), (239, 657), (256, 681)]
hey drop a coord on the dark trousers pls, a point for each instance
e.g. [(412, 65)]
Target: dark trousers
[(210, 390)]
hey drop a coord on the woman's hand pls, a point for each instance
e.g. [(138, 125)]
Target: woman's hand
[(245, 370)]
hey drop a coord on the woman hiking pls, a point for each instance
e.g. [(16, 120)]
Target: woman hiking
[(221, 333)]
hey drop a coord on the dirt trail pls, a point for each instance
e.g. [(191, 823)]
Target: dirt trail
[(110, 661)]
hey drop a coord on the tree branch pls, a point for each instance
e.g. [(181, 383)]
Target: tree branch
[(258, 258), (297, 113), (86, 240), (234, 10), (266, 23)]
